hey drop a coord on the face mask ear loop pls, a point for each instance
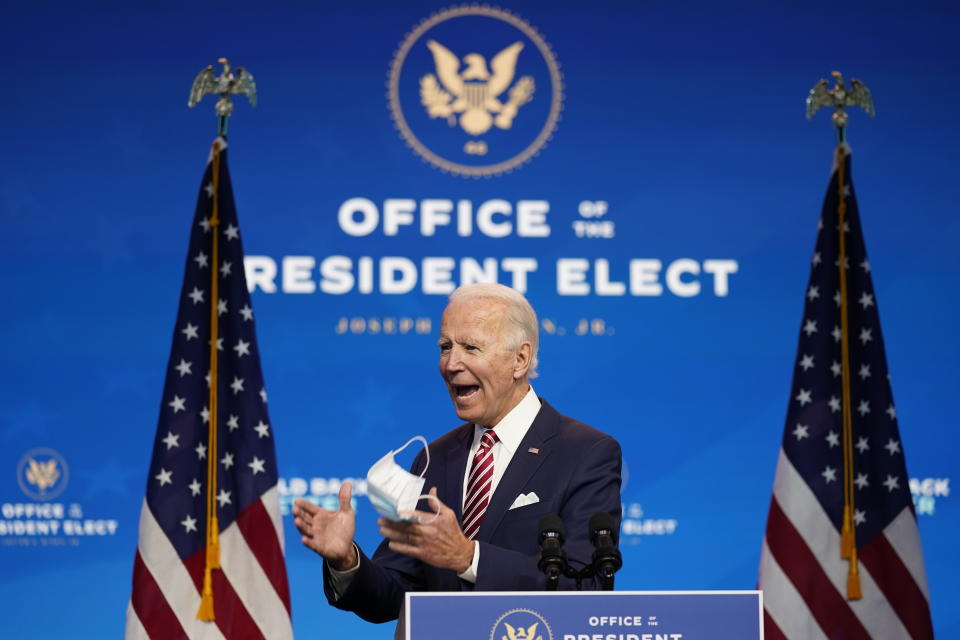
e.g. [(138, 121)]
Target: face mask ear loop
[(425, 448), (436, 514)]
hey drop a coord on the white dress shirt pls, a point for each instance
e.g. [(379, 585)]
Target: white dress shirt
[(510, 432)]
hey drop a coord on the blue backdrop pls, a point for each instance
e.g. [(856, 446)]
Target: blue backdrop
[(655, 131)]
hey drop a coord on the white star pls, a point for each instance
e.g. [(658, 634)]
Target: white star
[(262, 429), (846, 225), (892, 412), (179, 404), (833, 438), (237, 385), (866, 300), (891, 483), (195, 487), (837, 334), (190, 331), (205, 415), (862, 444), (866, 335), (184, 367), (846, 194), (806, 362), (803, 397), (257, 465), (196, 295), (859, 517), (165, 477), (816, 258), (837, 298), (225, 268), (231, 232), (861, 481), (893, 446), (846, 262), (246, 312), (233, 423), (227, 460), (223, 497), (242, 348), (221, 306), (201, 260), (219, 343), (201, 451), (829, 474), (205, 223), (834, 403), (263, 395), (209, 189), (819, 224), (864, 371), (801, 431), (810, 327), (207, 378), (171, 440), (189, 524), (836, 368), (863, 408), (812, 293), (866, 265)]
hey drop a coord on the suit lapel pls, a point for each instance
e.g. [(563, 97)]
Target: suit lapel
[(522, 467), (456, 463)]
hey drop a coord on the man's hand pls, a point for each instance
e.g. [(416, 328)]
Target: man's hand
[(438, 542), (329, 533)]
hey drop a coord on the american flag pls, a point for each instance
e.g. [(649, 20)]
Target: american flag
[(803, 578), (250, 593)]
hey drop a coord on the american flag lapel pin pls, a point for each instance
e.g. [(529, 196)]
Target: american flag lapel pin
[(533, 450)]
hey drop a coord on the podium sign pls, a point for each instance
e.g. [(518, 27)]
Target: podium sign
[(585, 615)]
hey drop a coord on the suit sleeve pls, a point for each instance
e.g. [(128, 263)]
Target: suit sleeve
[(593, 486), (376, 590)]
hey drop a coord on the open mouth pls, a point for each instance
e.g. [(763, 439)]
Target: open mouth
[(464, 391)]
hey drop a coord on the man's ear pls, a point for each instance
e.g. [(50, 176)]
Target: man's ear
[(522, 362)]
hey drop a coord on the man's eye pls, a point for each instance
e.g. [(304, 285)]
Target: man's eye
[(444, 347), (471, 347)]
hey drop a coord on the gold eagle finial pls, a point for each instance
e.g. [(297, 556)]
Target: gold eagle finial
[(840, 97)]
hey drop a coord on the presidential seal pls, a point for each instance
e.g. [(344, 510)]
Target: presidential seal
[(42, 474), (521, 624), (475, 91)]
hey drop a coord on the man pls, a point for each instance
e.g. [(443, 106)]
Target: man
[(483, 534)]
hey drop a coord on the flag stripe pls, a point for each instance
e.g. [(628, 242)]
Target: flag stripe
[(770, 629), (896, 583), (232, 617), (172, 577), (903, 536), (783, 604), (150, 609), (261, 538), (253, 587), (806, 515), (134, 629), (802, 567), (271, 500)]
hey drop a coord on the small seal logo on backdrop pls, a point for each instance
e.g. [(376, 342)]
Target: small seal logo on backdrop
[(475, 91), (42, 474), (521, 624)]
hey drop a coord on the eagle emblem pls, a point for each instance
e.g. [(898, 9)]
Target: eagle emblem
[(522, 633), (840, 97), (43, 474), (474, 93)]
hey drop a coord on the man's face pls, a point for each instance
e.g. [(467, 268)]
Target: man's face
[(478, 370)]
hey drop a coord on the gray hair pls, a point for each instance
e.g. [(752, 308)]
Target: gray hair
[(523, 325)]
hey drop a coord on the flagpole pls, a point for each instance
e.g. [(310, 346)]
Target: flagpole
[(224, 85), (839, 98)]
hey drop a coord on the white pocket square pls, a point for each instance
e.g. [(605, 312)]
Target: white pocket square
[(524, 500)]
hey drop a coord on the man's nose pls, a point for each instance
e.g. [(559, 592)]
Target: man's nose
[(454, 360)]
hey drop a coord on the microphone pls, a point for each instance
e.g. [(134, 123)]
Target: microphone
[(606, 557), (553, 560)]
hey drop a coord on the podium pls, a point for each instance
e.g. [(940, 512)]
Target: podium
[(585, 615)]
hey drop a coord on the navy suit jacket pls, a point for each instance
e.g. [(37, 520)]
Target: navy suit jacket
[(575, 472)]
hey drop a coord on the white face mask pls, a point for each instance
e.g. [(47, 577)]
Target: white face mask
[(392, 489)]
